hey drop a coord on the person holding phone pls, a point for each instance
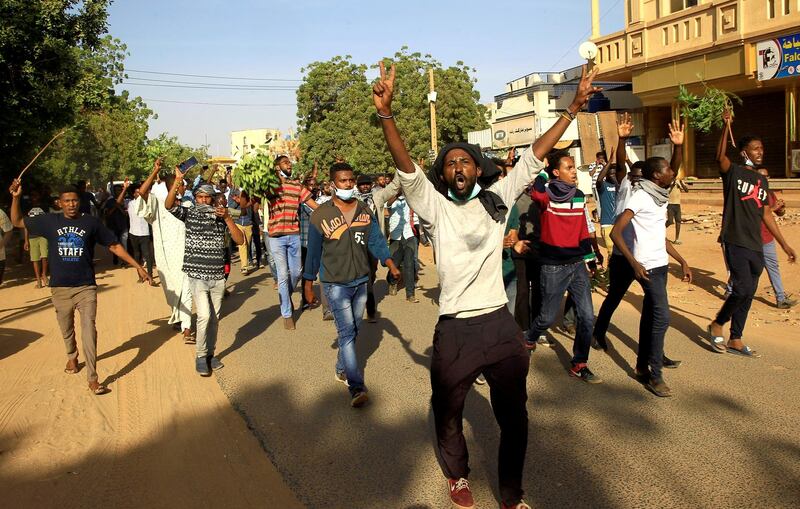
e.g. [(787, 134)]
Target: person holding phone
[(204, 263)]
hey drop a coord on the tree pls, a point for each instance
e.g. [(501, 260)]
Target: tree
[(336, 116), (42, 76), (172, 152)]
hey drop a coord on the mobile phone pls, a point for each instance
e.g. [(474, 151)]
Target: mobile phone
[(187, 164)]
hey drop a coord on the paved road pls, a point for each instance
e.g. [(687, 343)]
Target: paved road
[(728, 439)]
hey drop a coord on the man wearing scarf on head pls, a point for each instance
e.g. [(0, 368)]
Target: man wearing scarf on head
[(475, 333), (204, 263)]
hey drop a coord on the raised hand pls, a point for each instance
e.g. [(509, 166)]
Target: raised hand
[(16, 188), (157, 165), (127, 183), (585, 89), (624, 125), (383, 90), (676, 132), (178, 173), (727, 117)]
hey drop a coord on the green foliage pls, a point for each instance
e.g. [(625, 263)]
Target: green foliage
[(705, 112), (43, 44), (336, 117), (172, 152), (256, 174)]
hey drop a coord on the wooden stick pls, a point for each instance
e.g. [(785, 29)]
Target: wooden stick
[(40, 152), (730, 133)]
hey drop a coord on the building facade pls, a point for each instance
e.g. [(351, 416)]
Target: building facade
[(748, 47)]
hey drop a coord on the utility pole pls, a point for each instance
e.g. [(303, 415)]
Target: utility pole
[(432, 102)]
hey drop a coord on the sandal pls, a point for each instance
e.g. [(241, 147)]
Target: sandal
[(71, 368), (97, 388), (717, 342), (745, 351)]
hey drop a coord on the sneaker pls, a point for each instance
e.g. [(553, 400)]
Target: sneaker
[(201, 365), (359, 399), (599, 344), (583, 372), (327, 315), (658, 387), (520, 505), (786, 303), (460, 494), (544, 341), (214, 363), (481, 380), (341, 378), (413, 299), (669, 363)]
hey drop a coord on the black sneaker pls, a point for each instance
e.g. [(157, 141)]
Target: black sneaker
[(669, 363), (658, 387), (582, 372), (214, 363), (359, 399), (599, 343)]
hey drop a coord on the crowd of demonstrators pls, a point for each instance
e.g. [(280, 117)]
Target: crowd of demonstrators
[(475, 333), (403, 245), (139, 234), (746, 208), (204, 262), (71, 237), (778, 206), (344, 233)]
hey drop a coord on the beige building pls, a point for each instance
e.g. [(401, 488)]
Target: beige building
[(250, 140), (748, 47)]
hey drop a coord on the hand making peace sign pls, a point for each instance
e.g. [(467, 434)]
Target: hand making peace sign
[(383, 90), (585, 89)]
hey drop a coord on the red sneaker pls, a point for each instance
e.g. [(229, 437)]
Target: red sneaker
[(460, 494)]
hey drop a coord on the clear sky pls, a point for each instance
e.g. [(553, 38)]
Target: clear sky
[(274, 39)]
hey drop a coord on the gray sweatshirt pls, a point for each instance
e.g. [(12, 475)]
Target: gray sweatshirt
[(467, 242)]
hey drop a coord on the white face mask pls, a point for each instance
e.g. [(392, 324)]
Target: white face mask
[(284, 174), (345, 194), (747, 160)]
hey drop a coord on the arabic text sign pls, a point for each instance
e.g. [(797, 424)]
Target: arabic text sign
[(778, 58)]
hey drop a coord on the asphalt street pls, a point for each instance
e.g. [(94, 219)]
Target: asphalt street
[(728, 438)]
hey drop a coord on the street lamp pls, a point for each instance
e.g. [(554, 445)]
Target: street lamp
[(588, 50)]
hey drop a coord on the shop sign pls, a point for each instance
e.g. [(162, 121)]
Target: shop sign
[(778, 58)]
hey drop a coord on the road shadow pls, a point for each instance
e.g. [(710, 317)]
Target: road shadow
[(260, 320), (15, 340), (145, 345)]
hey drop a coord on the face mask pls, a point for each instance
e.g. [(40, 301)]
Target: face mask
[(747, 160), (285, 175), (475, 191), (345, 194)]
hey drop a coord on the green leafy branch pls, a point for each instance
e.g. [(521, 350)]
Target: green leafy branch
[(705, 112), (256, 174)]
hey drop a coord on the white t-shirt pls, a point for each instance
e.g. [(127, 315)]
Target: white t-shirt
[(650, 230), (623, 193), (138, 225)]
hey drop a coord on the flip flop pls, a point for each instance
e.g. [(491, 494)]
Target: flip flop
[(744, 352), (717, 342), (71, 370)]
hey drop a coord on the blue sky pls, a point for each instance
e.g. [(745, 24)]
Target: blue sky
[(275, 39)]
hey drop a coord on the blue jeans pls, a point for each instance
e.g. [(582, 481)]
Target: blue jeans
[(774, 271), (404, 255), (347, 304), (286, 253), (207, 297), (654, 322), (510, 282), (270, 258), (555, 280)]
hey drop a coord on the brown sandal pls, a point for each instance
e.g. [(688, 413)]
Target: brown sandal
[(97, 388), (72, 367)]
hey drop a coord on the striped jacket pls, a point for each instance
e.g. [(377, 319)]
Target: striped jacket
[(564, 232)]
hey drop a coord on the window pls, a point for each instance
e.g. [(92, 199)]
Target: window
[(679, 5), (787, 7), (698, 27), (771, 9), (686, 34), (665, 36)]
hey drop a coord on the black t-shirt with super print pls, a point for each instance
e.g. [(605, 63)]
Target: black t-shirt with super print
[(746, 194), (70, 244)]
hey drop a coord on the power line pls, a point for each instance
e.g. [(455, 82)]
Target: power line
[(211, 76), (584, 36), (229, 87), (264, 87), (217, 104)]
